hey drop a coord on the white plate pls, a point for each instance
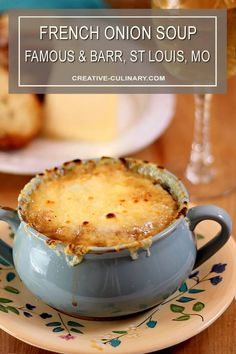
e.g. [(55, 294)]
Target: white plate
[(150, 122), (194, 307)]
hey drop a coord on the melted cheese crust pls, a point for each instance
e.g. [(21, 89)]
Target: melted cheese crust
[(100, 205)]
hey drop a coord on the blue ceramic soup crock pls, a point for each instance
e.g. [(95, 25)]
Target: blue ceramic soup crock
[(113, 281)]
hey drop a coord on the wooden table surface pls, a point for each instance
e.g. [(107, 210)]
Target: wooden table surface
[(172, 146)]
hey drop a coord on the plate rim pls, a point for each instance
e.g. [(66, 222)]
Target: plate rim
[(149, 350)]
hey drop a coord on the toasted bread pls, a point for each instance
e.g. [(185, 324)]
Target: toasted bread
[(4, 41), (20, 116)]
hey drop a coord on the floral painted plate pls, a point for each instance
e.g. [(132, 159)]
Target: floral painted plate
[(199, 301)]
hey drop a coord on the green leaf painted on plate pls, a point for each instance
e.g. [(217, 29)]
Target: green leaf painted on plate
[(3, 300), (76, 330), (11, 234), (10, 276), (182, 318), (200, 237), (53, 324), (12, 290), (58, 329), (176, 308), (3, 262), (120, 332), (3, 309), (195, 291), (183, 287), (185, 299), (13, 309), (199, 306), (74, 324)]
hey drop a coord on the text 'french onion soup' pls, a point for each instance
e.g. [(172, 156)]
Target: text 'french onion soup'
[(101, 203)]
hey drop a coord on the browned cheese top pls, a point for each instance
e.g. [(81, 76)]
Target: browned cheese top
[(100, 205)]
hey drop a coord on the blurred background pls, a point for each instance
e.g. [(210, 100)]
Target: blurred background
[(193, 137), (72, 125)]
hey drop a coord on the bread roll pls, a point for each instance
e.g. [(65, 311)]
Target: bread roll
[(4, 41), (20, 116)]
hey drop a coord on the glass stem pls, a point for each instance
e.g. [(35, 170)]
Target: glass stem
[(200, 167)]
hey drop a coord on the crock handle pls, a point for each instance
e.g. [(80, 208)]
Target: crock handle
[(210, 212), (11, 217)]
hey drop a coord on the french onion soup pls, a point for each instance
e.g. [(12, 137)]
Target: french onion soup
[(102, 203)]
